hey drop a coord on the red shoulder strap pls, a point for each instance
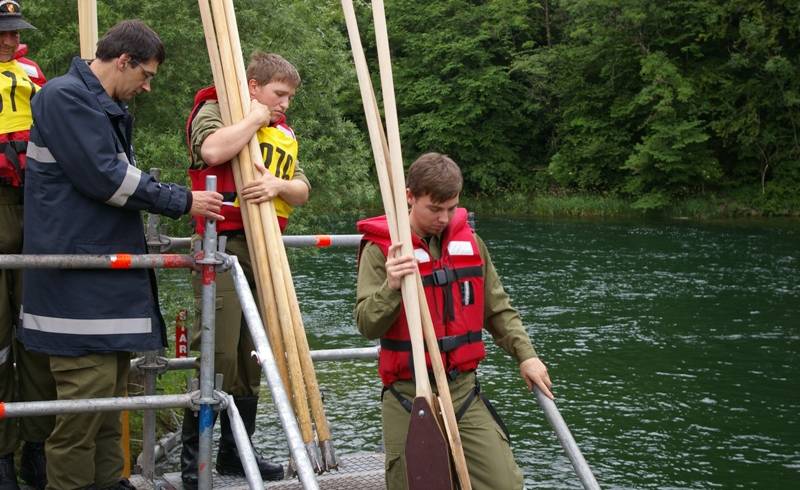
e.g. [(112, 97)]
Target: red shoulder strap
[(201, 97)]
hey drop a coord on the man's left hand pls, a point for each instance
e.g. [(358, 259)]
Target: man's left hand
[(264, 188), (534, 372)]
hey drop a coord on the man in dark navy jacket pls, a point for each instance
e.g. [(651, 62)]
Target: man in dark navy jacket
[(84, 195)]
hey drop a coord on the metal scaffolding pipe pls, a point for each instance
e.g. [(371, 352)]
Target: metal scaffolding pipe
[(270, 369), (243, 446), (57, 407), (165, 243), (172, 364), (111, 261), (320, 355), (148, 459), (208, 315), (322, 241), (564, 435), (369, 353)]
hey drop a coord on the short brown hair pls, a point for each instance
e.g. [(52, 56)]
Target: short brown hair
[(270, 67), (435, 175), (134, 38)]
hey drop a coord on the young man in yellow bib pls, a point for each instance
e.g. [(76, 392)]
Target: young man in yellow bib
[(21, 78), (272, 82)]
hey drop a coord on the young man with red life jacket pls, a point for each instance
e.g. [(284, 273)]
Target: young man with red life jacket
[(21, 78), (464, 296), (272, 82)]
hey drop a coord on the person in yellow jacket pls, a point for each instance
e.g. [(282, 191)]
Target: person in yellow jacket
[(20, 79)]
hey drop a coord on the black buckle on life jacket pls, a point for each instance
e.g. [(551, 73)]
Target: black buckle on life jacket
[(452, 342), (443, 276)]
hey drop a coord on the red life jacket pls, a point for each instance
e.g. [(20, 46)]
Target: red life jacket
[(13, 144), (224, 173), (454, 290)]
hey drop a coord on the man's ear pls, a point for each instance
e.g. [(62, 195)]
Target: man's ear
[(409, 197), (123, 60), (252, 85)]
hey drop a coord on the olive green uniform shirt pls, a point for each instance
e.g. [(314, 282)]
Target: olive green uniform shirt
[(208, 120), (378, 306)]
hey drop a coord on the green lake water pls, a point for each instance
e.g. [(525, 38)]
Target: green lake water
[(674, 348)]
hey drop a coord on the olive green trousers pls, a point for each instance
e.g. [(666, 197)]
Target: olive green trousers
[(486, 448), (31, 380), (84, 448)]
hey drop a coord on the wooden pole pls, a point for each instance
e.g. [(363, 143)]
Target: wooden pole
[(266, 249), (268, 308), (277, 250), (87, 27), (389, 193), (409, 285)]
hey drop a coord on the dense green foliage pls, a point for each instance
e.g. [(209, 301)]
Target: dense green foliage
[(333, 151), (646, 102)]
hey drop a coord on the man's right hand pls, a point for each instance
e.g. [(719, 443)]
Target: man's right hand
[(207, 204), (260, 113), (397, 267)]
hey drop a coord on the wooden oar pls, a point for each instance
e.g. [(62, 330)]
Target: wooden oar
[(273, 234), (427, 459), (440, 376), (87, 27)]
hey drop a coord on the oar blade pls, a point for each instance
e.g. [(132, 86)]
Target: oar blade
[(427, 454)]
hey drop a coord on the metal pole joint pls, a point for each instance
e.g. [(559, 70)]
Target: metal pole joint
[(157, 365)]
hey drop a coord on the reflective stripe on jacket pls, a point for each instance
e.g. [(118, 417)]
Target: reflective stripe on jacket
[(454, 288)]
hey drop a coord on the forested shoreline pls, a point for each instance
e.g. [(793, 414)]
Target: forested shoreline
[(615, 106)]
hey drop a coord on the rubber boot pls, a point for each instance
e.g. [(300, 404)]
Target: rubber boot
[(8, 474), (228, 462), (190, 448), (33, 465)]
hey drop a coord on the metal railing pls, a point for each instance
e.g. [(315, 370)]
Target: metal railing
[(206, 397)]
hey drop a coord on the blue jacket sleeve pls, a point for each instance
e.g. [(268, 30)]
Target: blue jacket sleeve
[(80, 137)]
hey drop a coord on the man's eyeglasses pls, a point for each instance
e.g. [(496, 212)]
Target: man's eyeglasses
[(148, 75)]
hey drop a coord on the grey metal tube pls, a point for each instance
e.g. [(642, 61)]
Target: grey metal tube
[(208, 312), (345, 354), (111, 261), (172, 364), (148, 461), (322, 241), (243, 446), (55, 407), (564, 435), (171, 243), (270, 369), (165, 243), (320, 355)]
